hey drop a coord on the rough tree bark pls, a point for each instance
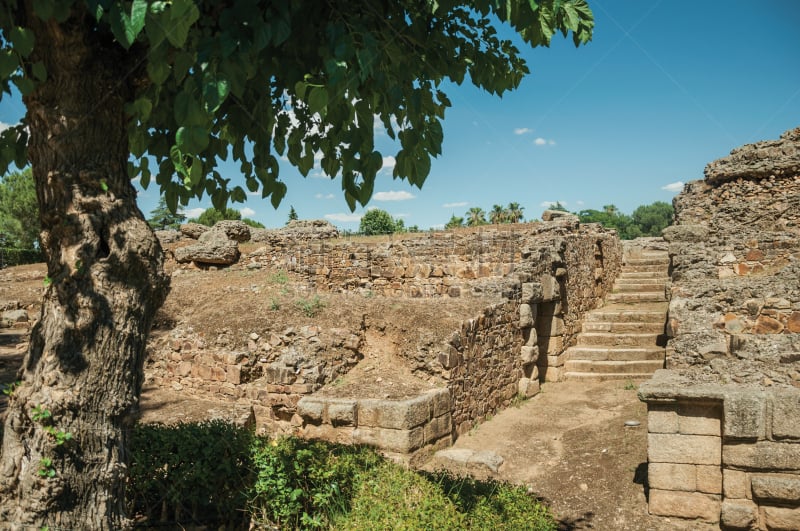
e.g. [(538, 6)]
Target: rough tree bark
[(84, 364)]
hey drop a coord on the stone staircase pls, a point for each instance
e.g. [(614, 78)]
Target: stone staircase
[(624, 339)]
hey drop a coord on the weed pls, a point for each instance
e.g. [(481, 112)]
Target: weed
[(630, 386), (274, 305), (518, 400), (47, 281), (40, 414), (46, 468), (311, 307), (60, 436), (8, 389), (279, 277)]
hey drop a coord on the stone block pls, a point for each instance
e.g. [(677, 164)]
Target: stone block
[(342, 413), (184, 369), (395, 414), (551, 290), (440, 402), (685, 504), (531, 337), (738, 514), (662, 418), (554, 326), (784, 489), (311, 409), (555, 361), (690, 449), (735, 484), (782, 518), (763, 455), (671, 476), (744, 415), (233, 374), (699, 419), (785, 414), (402, 441), (527, 315), (449, 358), (437, 428), (552, 374), (531, 292), (528, 387), (552, 345), (529, 354), (709, 479)]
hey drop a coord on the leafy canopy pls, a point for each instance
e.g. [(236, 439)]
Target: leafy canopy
[(255, 80), (19, 212), (162, 218), (377, 221)]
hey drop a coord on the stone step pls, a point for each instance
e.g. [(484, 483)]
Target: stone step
[(628, 314), (646, 296), (610, 339), (586, 353), (656, 326), (601, 377), (616, 367), (648, 275), (644, 268), (646, 260), (637, 286)]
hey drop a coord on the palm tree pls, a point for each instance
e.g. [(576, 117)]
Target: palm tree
[(497, 215), (514, 212), (475, 216)]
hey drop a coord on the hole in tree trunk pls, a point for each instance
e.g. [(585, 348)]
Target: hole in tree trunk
[(102, 249)]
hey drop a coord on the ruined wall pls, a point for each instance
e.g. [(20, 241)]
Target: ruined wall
[(721, 443), (545, 275)]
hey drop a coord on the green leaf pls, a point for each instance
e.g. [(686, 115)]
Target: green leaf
[(182, 14), (318, 100), (127, 27), (24, 84), (158, 71), (39, 71), (196, 172), (43, 8), (9, 62), (215, 90), (192, 139), (22, 40)]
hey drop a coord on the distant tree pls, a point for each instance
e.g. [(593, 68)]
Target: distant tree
[(161, 217), (498, 215), (292, 214), (211, 216), (454, 222), (475, 216), (652, 219), (557, 206), (413, 228), (253, 223), (19, 211), (377, 221), (514, 212)]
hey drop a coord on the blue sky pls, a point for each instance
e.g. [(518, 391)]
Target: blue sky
[(665, 87)]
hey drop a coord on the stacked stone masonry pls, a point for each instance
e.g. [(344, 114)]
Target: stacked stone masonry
[(724, 420), (541, 278)]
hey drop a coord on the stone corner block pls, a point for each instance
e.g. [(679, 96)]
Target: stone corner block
[(685, 505), (738, 514), (744, 415)]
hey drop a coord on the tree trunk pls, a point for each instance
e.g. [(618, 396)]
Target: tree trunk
[(83, 372)]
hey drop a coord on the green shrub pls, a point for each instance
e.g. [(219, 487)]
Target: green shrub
[(301, 484), (189, 473)]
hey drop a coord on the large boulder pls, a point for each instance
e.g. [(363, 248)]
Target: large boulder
[(214, 248), (310, 229), (194, 230), (233, 229), (166, 237)]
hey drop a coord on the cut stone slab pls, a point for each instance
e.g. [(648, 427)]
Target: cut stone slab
[(466, 457)]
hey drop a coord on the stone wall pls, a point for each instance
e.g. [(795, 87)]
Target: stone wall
[(723, 444), (723, 453), (545, 275)]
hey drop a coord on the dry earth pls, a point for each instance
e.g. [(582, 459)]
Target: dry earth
[(569, 444)]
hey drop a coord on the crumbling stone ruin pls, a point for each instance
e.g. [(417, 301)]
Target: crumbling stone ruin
[(724, 418), (507, 302)]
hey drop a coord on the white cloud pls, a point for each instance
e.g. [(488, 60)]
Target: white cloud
[(344, 217), (194, 212), (388, 163), (393, 196), (321, 196), (401, 215), (457, 204), (544, 142), (4, 126), (579, 203), (548, 204), (247, 212), (522, 131), (673, 187), (438, 226)]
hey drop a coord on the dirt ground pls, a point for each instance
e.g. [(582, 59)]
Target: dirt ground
[(569, 444)]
